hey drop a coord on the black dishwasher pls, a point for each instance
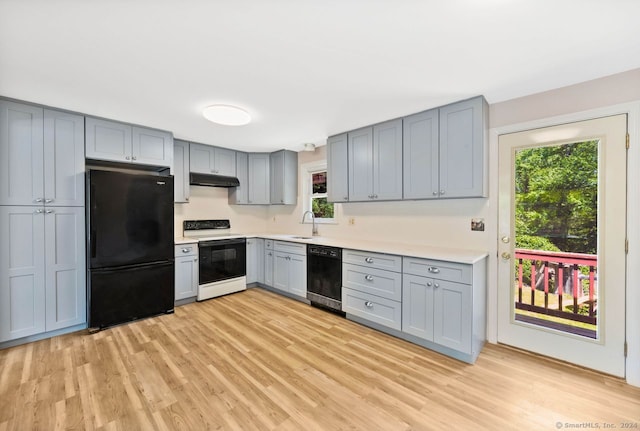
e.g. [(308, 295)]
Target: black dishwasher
[(324, 277)]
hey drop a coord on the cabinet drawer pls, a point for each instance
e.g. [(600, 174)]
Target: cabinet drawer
[(373, 308), (451, 271), (190, 249), (290, 247), (389, 262), (387, 284), (268, 244)]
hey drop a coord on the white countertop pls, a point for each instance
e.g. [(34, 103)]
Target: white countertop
[(397, 248)]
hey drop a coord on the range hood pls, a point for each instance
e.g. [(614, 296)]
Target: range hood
[(212, 180)]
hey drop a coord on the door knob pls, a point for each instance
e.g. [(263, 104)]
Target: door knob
[(505, 239), (505, 255)]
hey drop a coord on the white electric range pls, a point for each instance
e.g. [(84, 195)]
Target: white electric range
[(222, 257)]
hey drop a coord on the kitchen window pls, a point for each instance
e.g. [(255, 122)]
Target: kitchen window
[(316, 194)]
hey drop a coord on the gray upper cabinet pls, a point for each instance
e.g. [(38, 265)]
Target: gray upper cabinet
[(338, 168), (463, 149), (375, 162), (259, 178), (42, 156), (387, 160), (205, 159), (240, 195), (21, 154), (120, 142), (181, 171), (254, 176), (360, 162), (421, 155), (151, 147), (284, 177)]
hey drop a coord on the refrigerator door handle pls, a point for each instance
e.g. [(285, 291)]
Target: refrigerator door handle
[(93, 243)]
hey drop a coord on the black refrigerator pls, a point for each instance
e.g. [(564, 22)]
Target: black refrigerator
[(130, 244)]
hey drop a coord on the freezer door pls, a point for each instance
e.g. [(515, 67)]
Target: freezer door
[(125, 294), (130, 218)]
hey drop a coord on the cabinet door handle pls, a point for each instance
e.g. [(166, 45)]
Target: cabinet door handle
[(48, 211), (38, 200), (435, 193), (127, 158), (368, 277), (134, 158), (195, 260), (269, 254), (375, 196), (39, 211), (436, 285), (186, 249), (368, 304), (48, 201), (434, 270), (429, 283), (441, 192), (368, 259)]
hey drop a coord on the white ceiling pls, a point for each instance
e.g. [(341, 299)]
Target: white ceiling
[(304, 69)]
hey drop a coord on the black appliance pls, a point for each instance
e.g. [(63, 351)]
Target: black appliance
[(222, 259), (324, 276), (211, 180), (130, 246)]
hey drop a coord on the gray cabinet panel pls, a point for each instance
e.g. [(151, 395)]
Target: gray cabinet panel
[(421, 155), (255, 260), (281, 271), (186, 277), (417, 306), (107, 140), (240, 195), (259, 178), (361, 164), (462, 148), (181, 171), (298, 275), (65, 278), (63, 159), (201, 158), (338, 168), (151, 147), (224, 162), (387, 160), (21, 154), (22, 272), (284, 177), (452, 314), (268, 265)]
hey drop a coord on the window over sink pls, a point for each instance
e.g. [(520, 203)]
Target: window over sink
[(315, 193)]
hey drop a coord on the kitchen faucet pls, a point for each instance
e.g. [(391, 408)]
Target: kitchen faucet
[(314, 230)]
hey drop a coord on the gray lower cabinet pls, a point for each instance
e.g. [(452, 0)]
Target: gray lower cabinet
[(284, 177), (268, 262), (290, 268), (254, 175), (42, 270), (338, 168), (372, 287), (41, 156), (181, 171), (255, 260), (123, 143), (444, 303), (186, 271), (375, 162), (205, 159)]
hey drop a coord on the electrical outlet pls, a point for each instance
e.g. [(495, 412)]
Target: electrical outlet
[(477, 224), (352, 220)]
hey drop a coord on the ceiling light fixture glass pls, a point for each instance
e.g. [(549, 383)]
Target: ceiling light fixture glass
[(309, 147), (227, 115)]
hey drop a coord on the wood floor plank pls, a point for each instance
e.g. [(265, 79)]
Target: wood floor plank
[(257, 361)]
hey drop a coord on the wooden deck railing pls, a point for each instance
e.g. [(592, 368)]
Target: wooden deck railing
[(558, 274)]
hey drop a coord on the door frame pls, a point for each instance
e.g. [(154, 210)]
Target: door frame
[(632, 323)]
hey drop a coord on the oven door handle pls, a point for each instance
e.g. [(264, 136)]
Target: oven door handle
[(222, 242)]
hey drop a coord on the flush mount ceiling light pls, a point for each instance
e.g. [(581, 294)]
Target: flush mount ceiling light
[(226, 115), (309, 147)]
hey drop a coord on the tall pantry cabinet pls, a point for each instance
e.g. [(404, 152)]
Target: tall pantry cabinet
[(42, 220)]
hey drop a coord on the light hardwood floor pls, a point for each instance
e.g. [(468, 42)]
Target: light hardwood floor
[(257, 361)]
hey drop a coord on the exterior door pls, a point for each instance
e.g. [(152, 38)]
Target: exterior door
[(551, 300)]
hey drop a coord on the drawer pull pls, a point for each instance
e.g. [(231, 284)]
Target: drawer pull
[(429, 283), (368, 277), (368, 304), (368, 259), (186, 249), (436, 285), (434, 270)]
